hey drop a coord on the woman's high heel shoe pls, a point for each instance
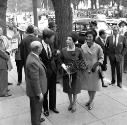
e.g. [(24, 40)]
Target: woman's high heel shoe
[(90, 107), (73, 108), (70, 107), (87, 104)]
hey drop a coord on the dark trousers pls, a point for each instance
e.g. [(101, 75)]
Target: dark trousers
[(36, 110), (19, 65), (52, 93), (116, 68)]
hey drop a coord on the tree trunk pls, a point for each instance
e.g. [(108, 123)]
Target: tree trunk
[(92, 3), (113, 3), (74, 5), (95, 4), (35, 12), (3, 8), (63, 15)]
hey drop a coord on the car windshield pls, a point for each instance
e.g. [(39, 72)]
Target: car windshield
[(103, 25)]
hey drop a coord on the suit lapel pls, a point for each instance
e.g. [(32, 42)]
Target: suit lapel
[(44, 52), (101, 41), (112, 40), (119, 41), (38, 59)]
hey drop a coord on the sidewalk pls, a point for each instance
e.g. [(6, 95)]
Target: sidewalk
[(110, 107)]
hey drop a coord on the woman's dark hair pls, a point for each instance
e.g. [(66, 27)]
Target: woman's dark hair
[(30, 29), (92, 33), (74, 36), (47, 33)]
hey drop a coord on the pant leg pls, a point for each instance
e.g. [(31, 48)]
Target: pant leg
[(113, 67), (3, 82), (19, 65), (52, 91), (119, 67), (35, 107), (45, 101)]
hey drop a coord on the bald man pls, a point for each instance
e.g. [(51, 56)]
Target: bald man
[(116, 49), (36, 82)]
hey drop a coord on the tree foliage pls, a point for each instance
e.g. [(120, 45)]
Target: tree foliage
[(104, 2), (25, 5), (3, 7), (124, 3)]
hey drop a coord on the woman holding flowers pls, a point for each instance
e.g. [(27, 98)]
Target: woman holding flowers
[(73, 64)]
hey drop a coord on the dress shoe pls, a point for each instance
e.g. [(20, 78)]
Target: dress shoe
[(112, 83), (42, 120), (46, 113), (10, 83), (19, 83), (104, 86), (6, 95), (119, 86), (54, 110)]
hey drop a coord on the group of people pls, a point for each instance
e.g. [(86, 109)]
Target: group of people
[(82, 67)]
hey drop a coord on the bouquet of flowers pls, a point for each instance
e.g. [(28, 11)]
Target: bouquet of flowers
[(75, 66)]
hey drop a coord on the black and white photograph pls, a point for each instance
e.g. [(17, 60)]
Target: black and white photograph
[(63, 62)]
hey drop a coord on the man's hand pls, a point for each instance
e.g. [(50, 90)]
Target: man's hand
[(41, 97), (58, 51)]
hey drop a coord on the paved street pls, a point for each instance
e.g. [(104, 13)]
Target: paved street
[(110, 107)]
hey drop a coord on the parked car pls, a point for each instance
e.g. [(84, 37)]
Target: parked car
[(82, 25)]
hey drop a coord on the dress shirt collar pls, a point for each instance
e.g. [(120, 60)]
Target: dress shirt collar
[(35, 54), (117, 37), (73, 49)]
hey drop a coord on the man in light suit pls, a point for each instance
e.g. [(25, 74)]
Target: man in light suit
[(116, 49), (101, 41), (36, 82)]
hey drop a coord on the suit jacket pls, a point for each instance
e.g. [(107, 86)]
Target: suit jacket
[(36, 80), (49, 63), (25, 47), (103, 46), (3, 60), (116, 52)]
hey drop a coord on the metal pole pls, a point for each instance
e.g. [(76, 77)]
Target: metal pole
[(35, 13)]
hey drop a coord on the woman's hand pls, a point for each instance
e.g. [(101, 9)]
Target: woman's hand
[(95, 66)]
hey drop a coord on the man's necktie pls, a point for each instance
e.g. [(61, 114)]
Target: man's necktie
[(115, 41), (48, 51)]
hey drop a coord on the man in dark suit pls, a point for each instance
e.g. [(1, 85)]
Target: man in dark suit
[(48, 58), (116, 49), (25, 43), (101, 41), (36, 82)]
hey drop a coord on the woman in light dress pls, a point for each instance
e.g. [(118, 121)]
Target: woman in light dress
[(94, 57)]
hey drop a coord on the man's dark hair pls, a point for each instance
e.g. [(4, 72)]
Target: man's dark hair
[(93, 23), (30, 29), (101, 32), (51, 24), (47, 33)]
